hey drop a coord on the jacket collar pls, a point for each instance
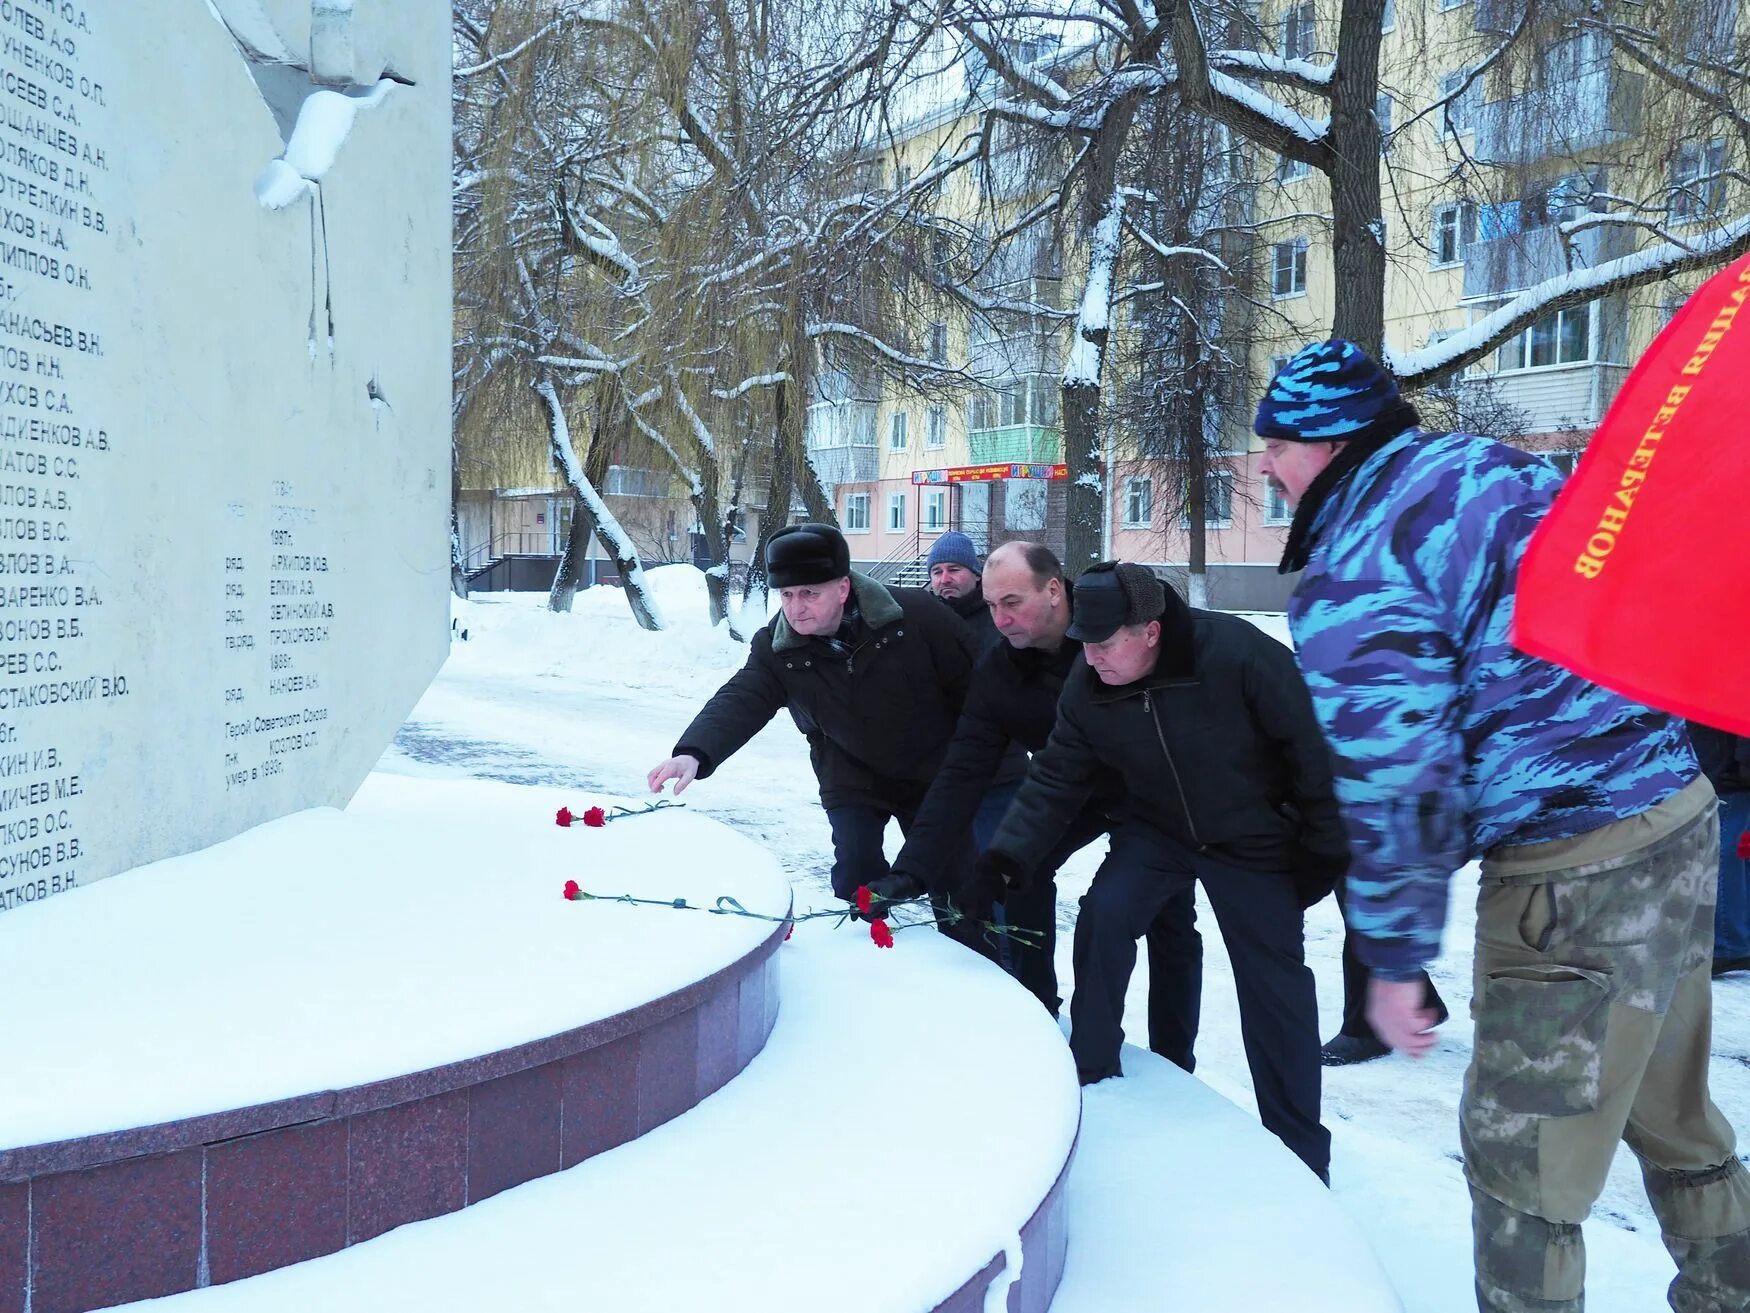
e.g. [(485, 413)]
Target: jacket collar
[(968, 607), (879, 606), (1350, 483)]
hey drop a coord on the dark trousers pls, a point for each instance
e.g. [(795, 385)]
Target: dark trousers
[(1260, 920), (1732, 912), (858, 859), (1175, 949), (1030, 957), (1355, 1022)]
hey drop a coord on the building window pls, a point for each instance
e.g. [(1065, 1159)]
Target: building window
[(1564, 338), (1564, 461), (1382, 116), (1288, 268), (1139, 503), (857, 512), (1218, 501), (901, 177), (1455, 119), (896, 510), (939, 343), (1455, 227), (1563, 200), (1291, 170), (935, 509), (1698, 184), (1276, 507), (1034, 400), (1024, 504), (896, 432), (1297, 31), (935, 427)]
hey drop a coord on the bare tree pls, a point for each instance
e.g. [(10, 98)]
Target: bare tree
[(1278, 92), (686, 182), (1194, 314)]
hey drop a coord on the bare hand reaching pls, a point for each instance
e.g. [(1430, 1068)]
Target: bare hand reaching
[(683, 770)]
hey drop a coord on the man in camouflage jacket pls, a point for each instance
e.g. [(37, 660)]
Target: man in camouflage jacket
[(1597, 833)]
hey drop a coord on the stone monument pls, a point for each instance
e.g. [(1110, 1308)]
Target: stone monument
[(225, 317)]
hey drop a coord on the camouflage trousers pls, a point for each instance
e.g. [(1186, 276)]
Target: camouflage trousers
[(1593, 1010)]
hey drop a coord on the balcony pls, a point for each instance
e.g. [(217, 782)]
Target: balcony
[(1563, 118), (1498, 17), (1556, 399), (630, 481), (1015, 444), (852, 462), (1510, 264)]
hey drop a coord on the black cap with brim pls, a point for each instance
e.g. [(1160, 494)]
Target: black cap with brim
[(1099, 609)]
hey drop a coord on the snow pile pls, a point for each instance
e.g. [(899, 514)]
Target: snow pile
[(1227, 1217), (598, 639), (422, 926), (878, 1152)]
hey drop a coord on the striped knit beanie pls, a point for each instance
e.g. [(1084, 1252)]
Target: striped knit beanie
[(1332, 392)]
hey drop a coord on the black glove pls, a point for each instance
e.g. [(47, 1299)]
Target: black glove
[(994, 876), (1316, 874), (883, 893)]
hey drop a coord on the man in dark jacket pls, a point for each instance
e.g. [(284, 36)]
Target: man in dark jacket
[(1725, 760), (1013, 700), (957, 577), (874, 676), (1227, 780)]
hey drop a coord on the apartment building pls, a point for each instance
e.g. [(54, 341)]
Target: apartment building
[(1559, 159)]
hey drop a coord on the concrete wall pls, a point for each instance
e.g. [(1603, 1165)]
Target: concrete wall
[(225, 443)]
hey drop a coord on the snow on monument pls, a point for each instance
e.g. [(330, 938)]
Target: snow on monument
[(224, 437)]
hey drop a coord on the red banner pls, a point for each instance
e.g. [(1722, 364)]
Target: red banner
[(1639, 577)]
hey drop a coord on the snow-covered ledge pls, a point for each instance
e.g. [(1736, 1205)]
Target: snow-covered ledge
[(338, 1023), (900, 1144)]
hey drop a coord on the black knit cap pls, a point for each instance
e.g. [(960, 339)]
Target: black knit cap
[(807, 554), (1113, 594)]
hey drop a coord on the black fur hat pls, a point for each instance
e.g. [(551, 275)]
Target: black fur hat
[(807, 554)]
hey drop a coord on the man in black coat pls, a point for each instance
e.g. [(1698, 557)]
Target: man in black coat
[(874, 676), (1227, 780), (1013, 700), (957, 577)]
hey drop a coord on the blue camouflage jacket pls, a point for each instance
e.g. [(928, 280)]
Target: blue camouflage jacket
[(1447, 741)]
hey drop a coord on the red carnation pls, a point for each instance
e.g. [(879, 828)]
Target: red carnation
[(571, 889), (865, 900), (1744, 846), (595, 818), (564, 818), (882, 936)]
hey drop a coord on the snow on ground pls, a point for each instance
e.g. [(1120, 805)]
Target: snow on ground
[(794, 1187), (1220, 1214), (484, 953), (591, 702)]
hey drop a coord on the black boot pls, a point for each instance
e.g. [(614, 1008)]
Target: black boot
[(1347, 1050)]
